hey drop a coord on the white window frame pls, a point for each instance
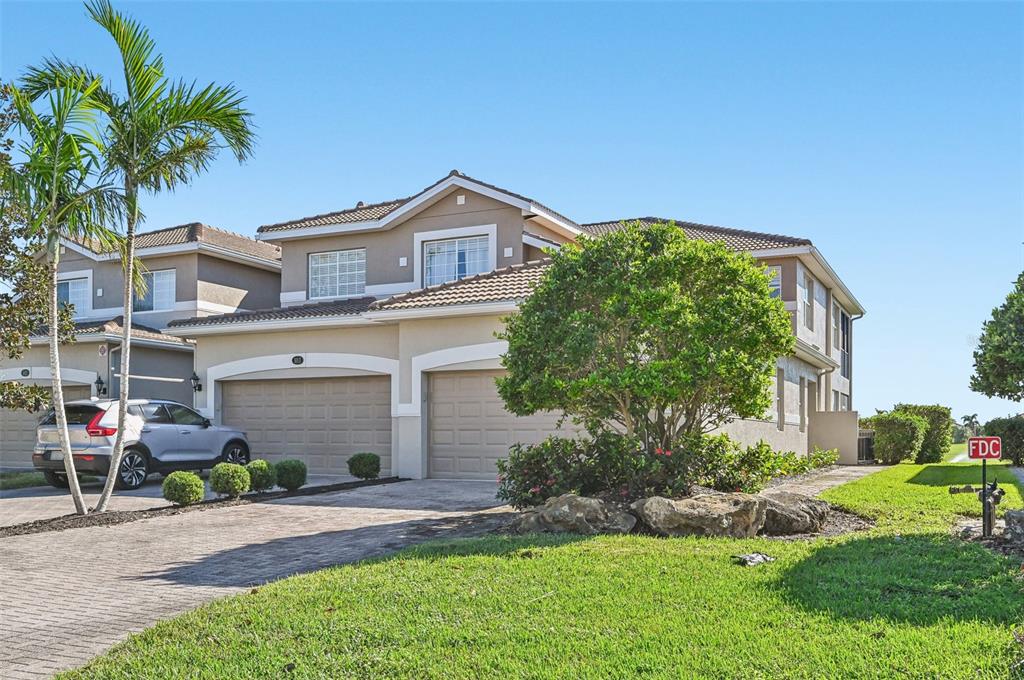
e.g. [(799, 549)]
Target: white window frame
[(775, 280), (422, 237), (162, 305), (340, 296), (86, 274), (837, 312), (473, 250), (808, 301)]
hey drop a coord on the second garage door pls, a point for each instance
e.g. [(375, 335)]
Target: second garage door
[(470, 428), (18, 431), (321, 421)]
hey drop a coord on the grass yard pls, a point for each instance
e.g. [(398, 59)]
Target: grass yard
[(955, 450), (23, 480), (905, 599)]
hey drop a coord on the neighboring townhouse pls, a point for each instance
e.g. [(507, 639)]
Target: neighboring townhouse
[(192, 270), (384, 338)]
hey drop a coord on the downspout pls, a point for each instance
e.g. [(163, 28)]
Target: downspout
[(852, 319)]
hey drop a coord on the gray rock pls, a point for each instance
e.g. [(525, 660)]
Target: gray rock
[(752, 559), (739, 515), (570, 513), (792, 513), (1015, 525)]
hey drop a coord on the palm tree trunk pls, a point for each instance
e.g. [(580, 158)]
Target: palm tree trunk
[(58, 397), (126, 342)]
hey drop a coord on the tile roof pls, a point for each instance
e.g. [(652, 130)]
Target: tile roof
[(115, 326), (196, 232), (363, 212), (515, 282), (735, 239), (347, 307)]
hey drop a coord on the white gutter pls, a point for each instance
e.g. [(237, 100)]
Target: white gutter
[(814, 356), (309, 322), (819, 259), (504, 307), (177, 249), (116, 338)]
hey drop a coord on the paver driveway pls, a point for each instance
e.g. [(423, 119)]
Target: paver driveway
[(127, 577)]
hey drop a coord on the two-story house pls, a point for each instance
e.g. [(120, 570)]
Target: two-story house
[(192, 270), (384, 337)]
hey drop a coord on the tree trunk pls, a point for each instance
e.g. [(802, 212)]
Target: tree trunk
[(126, 342), (58, 396)]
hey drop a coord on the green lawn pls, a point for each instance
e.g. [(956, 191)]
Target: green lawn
[(903, 600), (22, 480), (955, 450)]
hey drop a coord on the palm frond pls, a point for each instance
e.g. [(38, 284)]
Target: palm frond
[(143, 70)]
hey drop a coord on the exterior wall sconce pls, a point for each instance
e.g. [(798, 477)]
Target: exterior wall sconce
[(101, 387), (196, 385)]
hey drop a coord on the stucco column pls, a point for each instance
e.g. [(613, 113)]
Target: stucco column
[(409, 449)]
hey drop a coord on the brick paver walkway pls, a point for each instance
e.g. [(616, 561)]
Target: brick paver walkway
[(125, 578)]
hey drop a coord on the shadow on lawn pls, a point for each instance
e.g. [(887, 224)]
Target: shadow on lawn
[(255, 563), (958, 474), (916, 579)]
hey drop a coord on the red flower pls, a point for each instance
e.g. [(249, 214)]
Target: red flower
[(668, 453), (657, 452), (535, 489)]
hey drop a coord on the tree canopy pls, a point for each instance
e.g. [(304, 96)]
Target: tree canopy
[(999, 359), (649, 332)]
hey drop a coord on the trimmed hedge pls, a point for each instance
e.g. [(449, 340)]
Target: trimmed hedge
[(1012, 432), (898, 436), (183, 488), (262, 475), (938, 437), (229, 479), (364, 465), (291, 474)]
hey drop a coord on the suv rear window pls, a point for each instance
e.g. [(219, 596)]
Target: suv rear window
[(77, 415)]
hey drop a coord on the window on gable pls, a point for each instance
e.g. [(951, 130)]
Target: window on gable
[(341, 273), (74, 292), (454, 259), (775, 280), (159, 292)]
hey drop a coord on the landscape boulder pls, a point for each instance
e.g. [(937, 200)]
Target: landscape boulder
[(570, 513), (1015, 525), (737, 515), (792, 513)]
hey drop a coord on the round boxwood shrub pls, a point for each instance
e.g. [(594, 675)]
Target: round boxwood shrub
[(291, 474), (938, 437), (183, 488), (898, 436), (229, 479), (262, 475), (364, 465)]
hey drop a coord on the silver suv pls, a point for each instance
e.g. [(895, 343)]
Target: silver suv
[(162, 436)]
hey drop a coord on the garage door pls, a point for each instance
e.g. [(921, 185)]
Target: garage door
[(18, 431), (470, 428), (320, 421)]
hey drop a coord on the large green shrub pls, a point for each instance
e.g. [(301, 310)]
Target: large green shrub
[(229, 479), (938, 437), (1011, 430), (898, 436), (262, 475), (364, 465), (291, 474), (183, 488)]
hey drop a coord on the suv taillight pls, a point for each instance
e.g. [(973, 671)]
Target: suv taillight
[(94, 429)]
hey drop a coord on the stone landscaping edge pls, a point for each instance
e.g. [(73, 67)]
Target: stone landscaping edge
[(115, 517)]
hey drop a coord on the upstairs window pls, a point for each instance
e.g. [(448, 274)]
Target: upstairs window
[(775, 280), (808, 301), (454, 259), (836, 312), (341, 273), (74, 292), (159, 292)]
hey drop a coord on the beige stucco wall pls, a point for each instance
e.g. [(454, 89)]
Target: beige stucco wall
[(384, 248), (82, 356), (228, 283), (836, 430), (421, 336), (749, 431)]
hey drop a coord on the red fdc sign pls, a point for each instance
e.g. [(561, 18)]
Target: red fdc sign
[(984, 448)]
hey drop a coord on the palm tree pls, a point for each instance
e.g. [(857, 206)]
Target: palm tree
[(971, 424), (61, 154), (159, 135)]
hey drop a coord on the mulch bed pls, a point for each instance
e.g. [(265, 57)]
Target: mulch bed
[(113, 518)]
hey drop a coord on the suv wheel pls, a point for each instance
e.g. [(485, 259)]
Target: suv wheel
[(236, 452), (55, 479), (133, 470)]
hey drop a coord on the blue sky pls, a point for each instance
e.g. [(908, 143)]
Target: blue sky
[(889, 134)]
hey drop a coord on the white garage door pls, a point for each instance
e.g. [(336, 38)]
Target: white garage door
[(320, 421), (18, 431), (470, 428)]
